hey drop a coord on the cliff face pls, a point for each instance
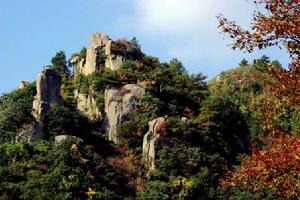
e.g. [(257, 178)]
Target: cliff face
[(104, 52), (48, 86), (118, 104), (98, 54)]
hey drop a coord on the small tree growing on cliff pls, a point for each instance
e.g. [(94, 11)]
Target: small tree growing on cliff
[(59, 62)]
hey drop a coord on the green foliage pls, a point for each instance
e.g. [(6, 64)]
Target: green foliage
[(103, 78), (66, 170), (156, 190), (59, 62), (15, 110), (101, 57), (250, 89), (66, 121), (67, 88), (82, 84), (243, 63), (82, 53), (223, 121), (132, 130), (177, 89)]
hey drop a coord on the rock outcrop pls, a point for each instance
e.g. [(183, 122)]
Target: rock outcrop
[(23, 84), (100, 43), (87, 104), (118, 104), (48, 86), (101, 46), (151, 140)]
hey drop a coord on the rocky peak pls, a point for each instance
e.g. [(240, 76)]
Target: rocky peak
[(48, 85)]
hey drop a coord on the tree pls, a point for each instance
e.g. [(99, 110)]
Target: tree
[(243, 63), (59, 62), (272, 172), (277, 25)]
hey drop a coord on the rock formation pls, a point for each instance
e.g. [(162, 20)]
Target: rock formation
[(150, 142), (87, 104), (48, 94), (99, 42), (118, 104), (104, 52), (23, 84)]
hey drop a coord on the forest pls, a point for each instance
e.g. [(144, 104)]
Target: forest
[(235, 137)]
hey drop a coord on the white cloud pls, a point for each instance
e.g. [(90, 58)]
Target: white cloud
[(190, 25), (188, 29)]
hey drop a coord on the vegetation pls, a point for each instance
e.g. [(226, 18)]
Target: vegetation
[(15, 111), (59, 62), (234, 137)]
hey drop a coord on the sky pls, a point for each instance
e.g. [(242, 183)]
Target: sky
[(32, 31)]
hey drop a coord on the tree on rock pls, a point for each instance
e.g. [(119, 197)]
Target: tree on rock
[(59, 62)]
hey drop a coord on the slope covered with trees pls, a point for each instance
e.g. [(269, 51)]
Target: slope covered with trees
[(233, 137)]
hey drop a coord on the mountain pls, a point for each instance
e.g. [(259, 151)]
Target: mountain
[(113, 123)]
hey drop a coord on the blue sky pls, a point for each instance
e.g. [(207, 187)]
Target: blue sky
[(32, 31)]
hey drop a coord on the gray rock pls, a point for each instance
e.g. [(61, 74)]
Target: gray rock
[(87, 104), (61, 138), (150, 142), (88, 65), (118, 104), (48, 86)]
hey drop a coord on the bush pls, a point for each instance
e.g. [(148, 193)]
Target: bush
[(66, 121), (15, 110)]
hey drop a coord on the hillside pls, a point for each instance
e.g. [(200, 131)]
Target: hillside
[(114, 123)]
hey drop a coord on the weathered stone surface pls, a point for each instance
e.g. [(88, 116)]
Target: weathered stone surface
[(88, 65), (87, 104), (113, 62), (150, 142), (61, 138), (118, 104), (23, 84), (48, 86)]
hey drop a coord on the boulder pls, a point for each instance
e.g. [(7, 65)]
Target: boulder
[(150, 142), (48, 86), (118, 104)]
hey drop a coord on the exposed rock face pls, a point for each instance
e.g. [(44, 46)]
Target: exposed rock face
[(87, 104), (23, 84), (48, 86), (118, 104), (99, 41), (150, 142)]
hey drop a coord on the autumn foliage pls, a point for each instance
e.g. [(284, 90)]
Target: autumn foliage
[(276, 168), (276, 24)]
